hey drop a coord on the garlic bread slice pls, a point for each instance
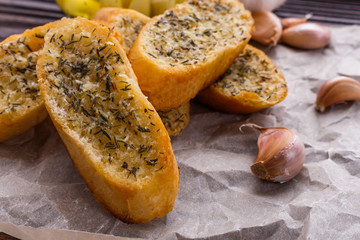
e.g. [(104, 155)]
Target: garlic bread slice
[(252, 83), (127, 22), (176, 119), (113, 134), (21, 106)]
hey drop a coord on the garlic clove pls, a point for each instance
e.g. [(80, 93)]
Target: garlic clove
[(281, 154), (292, 21), (336, 90), (289, 22), (268, 28), (307, 36)]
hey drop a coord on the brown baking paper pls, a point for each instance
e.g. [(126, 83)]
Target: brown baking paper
[(219, 198)]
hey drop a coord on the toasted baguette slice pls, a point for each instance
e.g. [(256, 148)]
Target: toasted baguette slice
[(126, 22), (176, 119), (21, 106), (252, 83), (112, 133), (186, 49)]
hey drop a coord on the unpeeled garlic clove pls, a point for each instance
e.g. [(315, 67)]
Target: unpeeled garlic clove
[(281, 154), (336, 90), (268, 28), (289, 22), (307, 36), (292, 21)]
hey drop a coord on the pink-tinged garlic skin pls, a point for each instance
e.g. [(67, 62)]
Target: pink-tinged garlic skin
[(268, 28), (291, 21), (337, 90), (307, 36), (281, 154)]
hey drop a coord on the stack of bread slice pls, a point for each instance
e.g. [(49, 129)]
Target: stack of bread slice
[(115, 114)]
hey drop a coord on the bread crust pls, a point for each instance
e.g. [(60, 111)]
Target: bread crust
[(133, 199), (22, 118), (247, 100), (169, 87)]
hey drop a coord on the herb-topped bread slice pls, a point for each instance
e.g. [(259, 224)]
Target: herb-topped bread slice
[(113, 134), (252, 83), (21, 106), (176, 119), (127, 22), (186, 49)]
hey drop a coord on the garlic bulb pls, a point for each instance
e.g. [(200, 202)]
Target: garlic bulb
[(336, 90), (281, 154), (268, 28), (307, 36)]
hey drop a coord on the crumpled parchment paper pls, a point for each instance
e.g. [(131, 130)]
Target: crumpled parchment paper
[(219, 198)]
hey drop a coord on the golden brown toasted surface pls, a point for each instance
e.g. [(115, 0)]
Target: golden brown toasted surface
[(176, 119), (112, 133), (21, 106), (126, 22), (187, 48), (252, 83)]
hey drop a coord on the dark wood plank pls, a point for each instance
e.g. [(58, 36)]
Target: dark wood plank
[(36, 13), (31, 4), (11, 24), (18, 15), (330, 11)]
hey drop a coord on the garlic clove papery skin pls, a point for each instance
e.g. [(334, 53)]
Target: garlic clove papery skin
[(292, 21), (268, 28), (337, 90), (282, 166), (289, 22), (281, 154), (307, 36)]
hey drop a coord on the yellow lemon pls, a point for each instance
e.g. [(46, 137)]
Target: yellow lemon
[(112, 3), (159, 6), (83, 8), (142, 6)]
